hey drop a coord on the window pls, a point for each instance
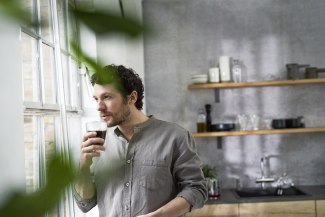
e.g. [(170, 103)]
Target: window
[(31, 153), (30, 68), (51, 85)]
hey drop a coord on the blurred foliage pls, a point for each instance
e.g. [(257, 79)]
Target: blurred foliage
[(60, 173), (105, 23), (209, 171), (101, 23), (15, 10), (104, 75), (59, 176), (82, 57)]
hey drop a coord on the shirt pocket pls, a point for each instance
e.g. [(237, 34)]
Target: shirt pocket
[(154, 175)]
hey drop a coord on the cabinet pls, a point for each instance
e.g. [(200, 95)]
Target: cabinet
[(263, 209), (278, 209), (259, 84), (220, 210), (320, 208)]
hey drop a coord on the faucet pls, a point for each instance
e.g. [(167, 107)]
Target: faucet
[(264, 179)]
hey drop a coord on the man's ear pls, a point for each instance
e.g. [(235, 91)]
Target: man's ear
[(133, 97)]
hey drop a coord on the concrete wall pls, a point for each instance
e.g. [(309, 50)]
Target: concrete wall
[(192, 34)]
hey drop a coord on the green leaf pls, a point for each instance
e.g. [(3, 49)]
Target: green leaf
[(105, 22), (84, 58), (59, 176), (104, 75), (209, 171), (14, 10)]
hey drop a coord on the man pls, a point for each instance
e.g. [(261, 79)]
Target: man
[(160, 173)]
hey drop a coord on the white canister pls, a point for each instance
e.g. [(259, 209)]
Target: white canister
[(214, 75), (224, 64)]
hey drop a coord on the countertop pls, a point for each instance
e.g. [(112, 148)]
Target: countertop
[(313, 193)]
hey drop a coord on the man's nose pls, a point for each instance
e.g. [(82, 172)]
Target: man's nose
[(100, 105)]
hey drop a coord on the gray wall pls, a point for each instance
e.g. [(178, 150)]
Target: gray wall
[(192, 34), (12, 164)]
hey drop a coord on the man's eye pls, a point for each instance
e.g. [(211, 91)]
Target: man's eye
[(107, 97)]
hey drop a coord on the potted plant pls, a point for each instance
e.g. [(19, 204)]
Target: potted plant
[(210, 174)]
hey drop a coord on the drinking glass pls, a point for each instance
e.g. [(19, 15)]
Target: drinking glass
[(243, 122), (99, 127), (255, 121), (267, 123)]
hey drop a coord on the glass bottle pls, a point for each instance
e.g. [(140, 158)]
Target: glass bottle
[(201, 121), (208, 117), (237, 71)]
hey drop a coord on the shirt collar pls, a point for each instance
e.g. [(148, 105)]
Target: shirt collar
[(138, 127)]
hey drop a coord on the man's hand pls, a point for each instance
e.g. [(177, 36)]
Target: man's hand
[(89, 148), (176, 207), (147, 215), (152, 214)]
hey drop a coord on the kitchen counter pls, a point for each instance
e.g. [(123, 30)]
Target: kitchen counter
[(313, 193)]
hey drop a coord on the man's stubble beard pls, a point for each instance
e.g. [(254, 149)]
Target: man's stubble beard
[(121, 117)]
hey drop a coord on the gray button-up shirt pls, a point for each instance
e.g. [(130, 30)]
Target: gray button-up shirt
[(137, 177)]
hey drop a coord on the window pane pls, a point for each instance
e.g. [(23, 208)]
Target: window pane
[(61, 6), (66, 79), (31, 153), (30, 6), (66, 205), (29, 68), (49, 78), (49, 148), (75, 84), (74, 130), (46, 31), (50, 140), (72, 26), (49, 137)]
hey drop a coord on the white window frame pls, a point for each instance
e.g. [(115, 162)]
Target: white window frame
[(40, 108)]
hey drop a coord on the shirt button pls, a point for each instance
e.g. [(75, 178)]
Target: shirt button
[(128, 161), (127, 184), (126, 207)]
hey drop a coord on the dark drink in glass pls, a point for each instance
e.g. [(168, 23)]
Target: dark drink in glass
[(99, 127), (101, 134)]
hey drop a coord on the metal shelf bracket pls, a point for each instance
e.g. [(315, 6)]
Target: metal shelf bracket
[(216, 94), (219, 142)]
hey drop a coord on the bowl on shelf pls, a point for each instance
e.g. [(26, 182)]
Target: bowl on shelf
[(222, 127), (202, 78), (287, 123)]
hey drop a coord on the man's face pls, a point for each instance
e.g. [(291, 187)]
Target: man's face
[(112, 107)]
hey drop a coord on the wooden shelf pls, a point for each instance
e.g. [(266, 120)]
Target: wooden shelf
[(260, 132), (257, 83)]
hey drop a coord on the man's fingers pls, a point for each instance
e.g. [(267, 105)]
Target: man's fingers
[(88, 135), (92, 148)]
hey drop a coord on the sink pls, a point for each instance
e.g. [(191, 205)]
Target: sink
[(268, 192)]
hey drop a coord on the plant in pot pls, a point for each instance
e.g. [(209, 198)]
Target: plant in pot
[(210, 174)]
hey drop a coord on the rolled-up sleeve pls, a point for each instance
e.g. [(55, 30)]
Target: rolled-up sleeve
[(84, 204), (187, 170)]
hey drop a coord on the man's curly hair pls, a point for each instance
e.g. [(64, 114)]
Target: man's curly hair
[(125, 80)]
